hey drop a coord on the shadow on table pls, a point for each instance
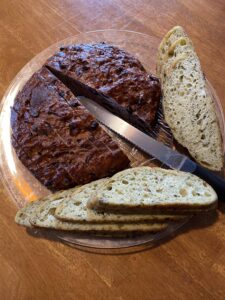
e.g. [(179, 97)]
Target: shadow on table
[(194, 223), (41, 233)]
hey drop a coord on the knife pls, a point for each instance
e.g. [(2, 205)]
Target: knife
[(135, 136)]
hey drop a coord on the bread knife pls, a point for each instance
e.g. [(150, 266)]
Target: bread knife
[(93, 100)]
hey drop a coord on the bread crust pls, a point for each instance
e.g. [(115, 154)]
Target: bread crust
[(57, 139), (113, 72)]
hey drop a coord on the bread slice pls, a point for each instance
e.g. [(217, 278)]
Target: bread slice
[(178, 50), (190, 112), (173, 35), (24, 214), (41, 214), (75, 209), (44, 217), (188, 104), (155, 190)]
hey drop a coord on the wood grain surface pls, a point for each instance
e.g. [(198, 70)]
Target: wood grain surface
[(190, 265)]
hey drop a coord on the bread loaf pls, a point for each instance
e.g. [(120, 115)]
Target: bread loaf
[(57, 139), (114, 72)]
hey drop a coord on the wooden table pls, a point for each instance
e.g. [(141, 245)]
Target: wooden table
[(190, 265)]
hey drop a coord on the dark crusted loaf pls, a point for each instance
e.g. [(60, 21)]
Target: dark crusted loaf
[(57, 139), (114, 72)]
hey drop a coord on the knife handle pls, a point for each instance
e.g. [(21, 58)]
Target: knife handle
[(217, 182)]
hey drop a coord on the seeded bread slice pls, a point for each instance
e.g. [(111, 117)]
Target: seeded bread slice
[(44, 217), (75, 209), (172, 36), (177, 51), (187, 102), (24, 214), (155, 190), (190, 111)]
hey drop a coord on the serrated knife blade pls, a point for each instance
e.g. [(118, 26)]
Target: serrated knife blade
[(142, 141)]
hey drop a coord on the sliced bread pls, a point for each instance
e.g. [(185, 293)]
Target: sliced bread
[(156, 190), (24, 214), (173, 35), (75, 209), (190, 112), (178, 50), (44, 217), (188, 105)]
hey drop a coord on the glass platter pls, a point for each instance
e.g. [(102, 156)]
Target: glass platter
[(22, 187)]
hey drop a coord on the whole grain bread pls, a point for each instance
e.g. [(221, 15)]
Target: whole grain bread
[(74, 208), (41, 213), (171, 36), (177, 51), (44, 217), (24, 214), (155, 190), (188, 105)]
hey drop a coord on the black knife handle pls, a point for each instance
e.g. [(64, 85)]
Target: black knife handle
[(217, 182)]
